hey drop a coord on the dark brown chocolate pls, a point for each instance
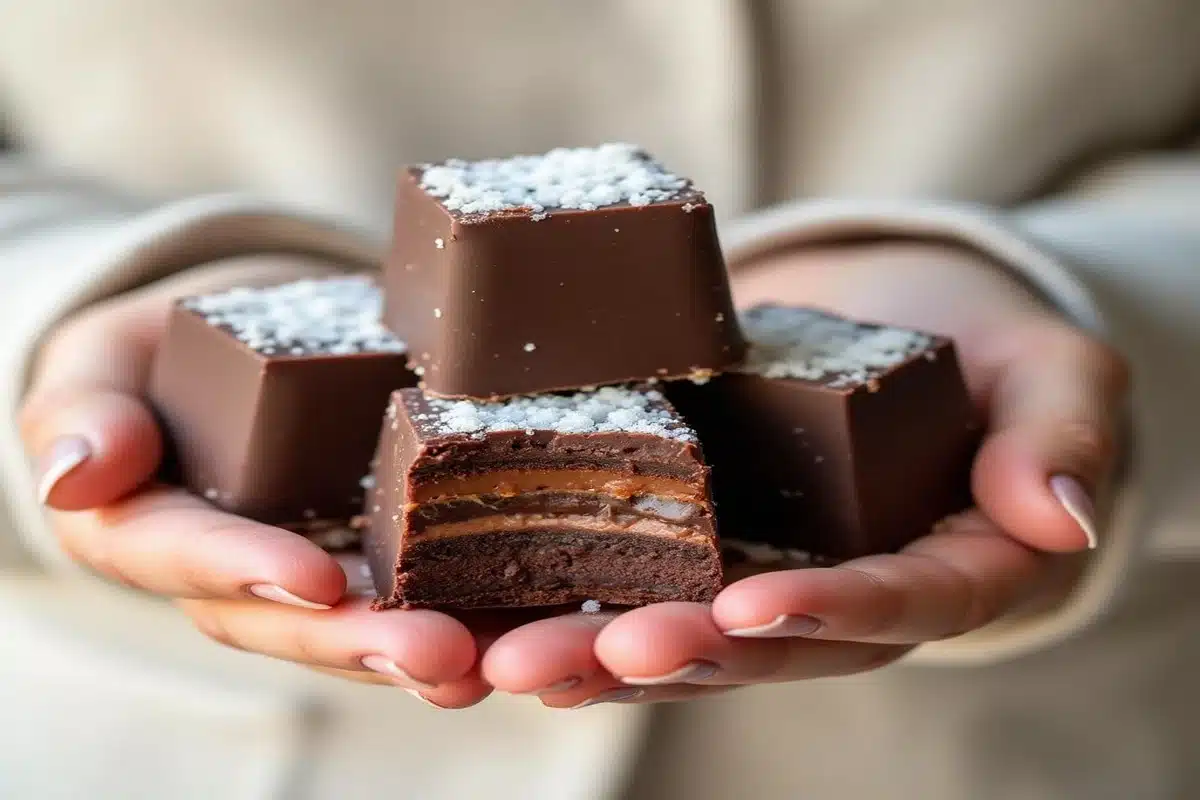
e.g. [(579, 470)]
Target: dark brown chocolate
[(541, 500), (835, 438), (577, 268), (273, 397)]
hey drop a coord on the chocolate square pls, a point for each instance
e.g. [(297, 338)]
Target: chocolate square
[(273, 397), (539, 501), (575, 268), (836, 438)]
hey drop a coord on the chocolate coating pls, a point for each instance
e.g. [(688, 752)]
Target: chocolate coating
[(285, 436), (515, 301), (852, 461)]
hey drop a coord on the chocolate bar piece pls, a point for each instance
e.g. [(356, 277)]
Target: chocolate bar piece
[(835, 438), (273, 398), (580, 267), (539, 501)]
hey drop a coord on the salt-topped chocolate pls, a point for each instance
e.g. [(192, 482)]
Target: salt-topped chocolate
[(598, 495), (336, 316), (273, 398), (579, 267), (579, 178), (813, 345), (834, 437), (609, 409)]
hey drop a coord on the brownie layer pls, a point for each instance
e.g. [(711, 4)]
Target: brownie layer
[(634, 454), (553, 566), (578, 523), (595, 504)]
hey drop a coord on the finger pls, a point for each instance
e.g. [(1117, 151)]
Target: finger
[(585, 697), (458, 694), (455, 695), (419, 650), (547, 656), (168, 542), (84, 422), (1055, 411), (680, 643), (93, 445), (945, 584)]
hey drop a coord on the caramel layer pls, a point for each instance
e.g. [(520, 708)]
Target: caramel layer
[(464, 507), (521, 523), (507, 483)]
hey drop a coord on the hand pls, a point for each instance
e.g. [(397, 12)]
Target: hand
[(1052, 397), (245, 584)]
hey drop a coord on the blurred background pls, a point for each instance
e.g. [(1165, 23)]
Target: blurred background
[(131, 104)]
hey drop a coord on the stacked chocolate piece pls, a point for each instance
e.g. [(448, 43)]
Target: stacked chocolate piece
[(569, 319)]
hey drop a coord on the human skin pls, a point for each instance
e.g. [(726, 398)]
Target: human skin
[(1051, 394)]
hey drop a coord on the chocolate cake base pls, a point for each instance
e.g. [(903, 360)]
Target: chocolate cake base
[(548, 567)]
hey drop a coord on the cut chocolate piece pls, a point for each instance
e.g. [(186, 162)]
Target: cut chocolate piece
[(834, 438), (576, 268), (273, 397), (540, 501)]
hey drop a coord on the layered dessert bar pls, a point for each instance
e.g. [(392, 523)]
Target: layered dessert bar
[(534, 501)]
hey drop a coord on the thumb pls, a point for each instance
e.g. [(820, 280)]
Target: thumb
[(1056, 410), (85, 423)]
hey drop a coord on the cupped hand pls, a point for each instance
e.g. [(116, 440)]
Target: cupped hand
[(1052, 397), (245, 584)]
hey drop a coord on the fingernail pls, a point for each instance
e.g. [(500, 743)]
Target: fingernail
[(611, 696), (781, 627), (278, 594), (561, 686), (1078, 503), (693, 671), (425, 699), (385, 666), (64, 455)]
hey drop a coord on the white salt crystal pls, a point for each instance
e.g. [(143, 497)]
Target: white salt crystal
[(607, 409), (583, 178), (335, 316), (811, 345)]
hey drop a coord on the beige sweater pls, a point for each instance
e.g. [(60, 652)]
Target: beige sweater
[(162, 135)]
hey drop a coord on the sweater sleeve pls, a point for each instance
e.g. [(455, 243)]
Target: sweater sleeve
[(65, 243), (1129, 278)]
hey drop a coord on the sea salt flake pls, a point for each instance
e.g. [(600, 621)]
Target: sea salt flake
[(333, 316), (811, 345), (604, 410), (583, 178), (590, 606)]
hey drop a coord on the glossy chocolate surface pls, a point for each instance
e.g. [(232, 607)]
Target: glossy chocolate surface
[(835, 438), (273, 398), (496, 298)]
